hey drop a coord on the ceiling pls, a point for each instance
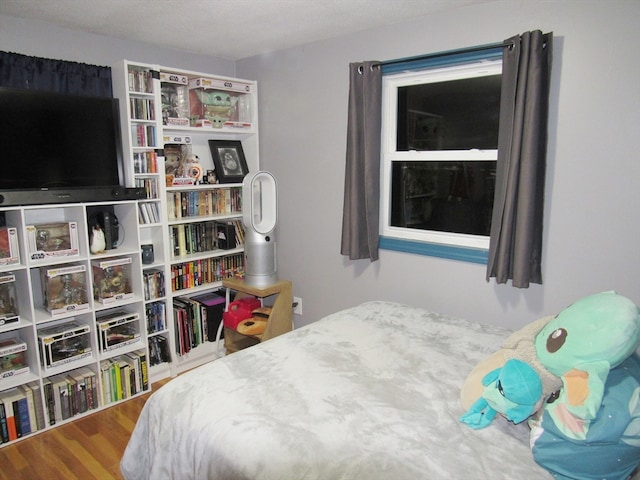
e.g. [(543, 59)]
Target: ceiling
[(231, 29)]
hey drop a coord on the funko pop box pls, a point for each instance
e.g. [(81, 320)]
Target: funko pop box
[(51, 240), (64, 343), (64, 289), (118, 329), (13, 358), (8, 300), (112, 280), (9, 251)]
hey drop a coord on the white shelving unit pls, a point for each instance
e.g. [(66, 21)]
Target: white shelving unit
[(158, 108), (46, 297)]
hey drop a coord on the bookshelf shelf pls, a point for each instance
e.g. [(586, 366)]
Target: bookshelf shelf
[(182, 124)]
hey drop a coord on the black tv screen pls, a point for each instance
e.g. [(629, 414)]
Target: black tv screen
[(56, 141)]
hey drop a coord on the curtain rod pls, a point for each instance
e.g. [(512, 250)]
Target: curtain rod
[(478, 48)]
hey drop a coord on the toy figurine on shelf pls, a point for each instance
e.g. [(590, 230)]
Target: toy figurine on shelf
[(98, 242), (218, 106), (192, 168)]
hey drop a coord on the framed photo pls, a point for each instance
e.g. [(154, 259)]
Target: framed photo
[(229, 160)]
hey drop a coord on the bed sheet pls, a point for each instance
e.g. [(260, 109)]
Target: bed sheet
[(371, 392)]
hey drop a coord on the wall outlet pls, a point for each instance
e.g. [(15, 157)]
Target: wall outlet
[(297, 305)]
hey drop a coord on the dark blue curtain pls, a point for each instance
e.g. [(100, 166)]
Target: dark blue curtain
[(22, 71)]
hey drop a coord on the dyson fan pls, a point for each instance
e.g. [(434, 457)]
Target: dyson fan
[(259, 218)]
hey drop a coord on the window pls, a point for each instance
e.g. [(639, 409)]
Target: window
[(439, 152)]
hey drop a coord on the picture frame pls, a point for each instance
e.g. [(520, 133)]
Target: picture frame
[(229, 160)]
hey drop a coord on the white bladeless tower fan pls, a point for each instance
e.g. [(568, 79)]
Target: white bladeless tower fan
[(260, 212)]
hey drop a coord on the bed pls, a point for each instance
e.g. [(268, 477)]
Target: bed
[(371, 392)]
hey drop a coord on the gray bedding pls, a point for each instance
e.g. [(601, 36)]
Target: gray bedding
[(371, 392)]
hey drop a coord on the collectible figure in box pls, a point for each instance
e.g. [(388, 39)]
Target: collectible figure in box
[(64, 289), (52, 240), (219, 103), (112, 280), (181, 165), (13, 358), (64, 343), (8, 302), (118, 329), (175, 99), (9, 253)]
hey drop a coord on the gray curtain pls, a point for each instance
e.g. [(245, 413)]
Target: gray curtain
[(360, 218), (515, 246)]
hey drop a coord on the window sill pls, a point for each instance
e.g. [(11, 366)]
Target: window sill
[(464, 254)]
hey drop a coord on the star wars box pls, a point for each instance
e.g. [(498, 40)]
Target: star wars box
[(112, 280), (52, 240), (9, 251), (64, 343), (64, 289), (118, 329), (8, 301), (175, 99), (217, 103), (13, 357)]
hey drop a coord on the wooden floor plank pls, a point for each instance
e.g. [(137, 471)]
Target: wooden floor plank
[(88, 448)]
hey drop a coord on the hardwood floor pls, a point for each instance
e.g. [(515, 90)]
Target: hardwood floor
[(87, 448)]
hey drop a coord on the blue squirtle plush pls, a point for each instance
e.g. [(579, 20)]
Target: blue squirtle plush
[(514, 390)]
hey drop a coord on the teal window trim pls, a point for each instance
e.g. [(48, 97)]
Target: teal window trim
[(443, 59), (450, 252)]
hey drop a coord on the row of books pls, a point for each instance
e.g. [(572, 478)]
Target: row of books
[(21, 412), (199, 237), (190, 329), (140, 81), (142, 109), (158, 350), (197, 319), (69, 394), (209, 270), (153, 282), (145, 162), (150, 186), (156, 317), (219, 201), (124, 376), (143, 135), (148, 212)]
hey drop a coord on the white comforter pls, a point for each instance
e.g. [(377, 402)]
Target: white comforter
[(368, 393)]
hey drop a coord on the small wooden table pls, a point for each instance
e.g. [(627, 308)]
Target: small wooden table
[(280, 319)]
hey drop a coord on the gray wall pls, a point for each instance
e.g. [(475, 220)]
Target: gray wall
[(592, 213)]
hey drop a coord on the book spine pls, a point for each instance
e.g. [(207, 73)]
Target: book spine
[(4, 431), (23, 416)]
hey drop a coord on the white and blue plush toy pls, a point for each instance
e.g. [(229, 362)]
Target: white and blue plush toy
[(515, 390)]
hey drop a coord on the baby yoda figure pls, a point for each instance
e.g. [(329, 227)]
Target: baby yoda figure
[(218, 106), (515, 390)]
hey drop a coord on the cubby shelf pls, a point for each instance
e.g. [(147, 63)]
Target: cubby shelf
[(59, 298)]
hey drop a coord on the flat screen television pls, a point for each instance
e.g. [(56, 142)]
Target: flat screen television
[(58, 148)]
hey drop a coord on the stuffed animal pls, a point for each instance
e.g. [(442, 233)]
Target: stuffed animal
[(520, 346), (610, 448), (515, 390), (581, 345), (589, 427)]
